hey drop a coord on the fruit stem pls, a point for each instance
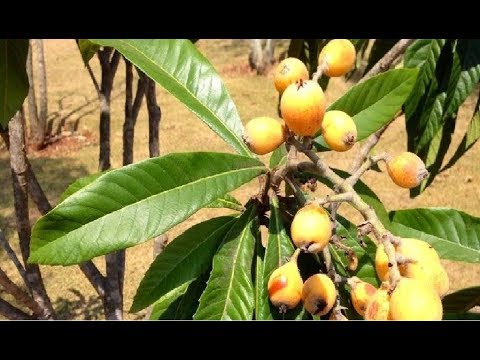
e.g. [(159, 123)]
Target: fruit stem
[(320, 69), (294, 257)]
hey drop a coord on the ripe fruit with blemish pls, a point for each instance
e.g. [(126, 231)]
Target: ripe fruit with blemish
[(289, 71), (319, 294)]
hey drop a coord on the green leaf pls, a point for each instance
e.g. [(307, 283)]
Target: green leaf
[(462, 300), (130, 205), (423, 55), (454, 234), (471, 136), (226, 201), (379, 49), (13, 78), (468, 51), (230, 294), (183, 260), (279, 157), (430, 127), (259, 281), (168, 301), (181, 69), (374, 102), (80, 183), (87, 49), (278, 251), (183, 302), (426, 119)]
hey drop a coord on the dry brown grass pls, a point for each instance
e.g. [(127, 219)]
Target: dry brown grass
[(73, 104)]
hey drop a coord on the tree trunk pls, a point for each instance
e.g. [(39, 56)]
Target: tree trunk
[(261, 56), (37, 133), (19, 169), (154, 115), (42, 85), (113, 299)]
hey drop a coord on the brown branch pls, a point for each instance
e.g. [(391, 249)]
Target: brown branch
[(13, 313), (341, 185), (389, 58), (368, 145), (94, 79), (13, 257), (21, 296), (367, 164), (43, 205), (19, 169)]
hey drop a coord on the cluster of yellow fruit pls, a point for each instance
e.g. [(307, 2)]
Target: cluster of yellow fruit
[(417, 295), (303, 104), (303, 109)]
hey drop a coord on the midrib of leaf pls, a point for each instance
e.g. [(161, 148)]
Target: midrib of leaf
[(240, 243), (247, 152), (224, 201), (135, 204)]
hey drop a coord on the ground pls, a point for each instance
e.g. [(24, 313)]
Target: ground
[(74, 113)]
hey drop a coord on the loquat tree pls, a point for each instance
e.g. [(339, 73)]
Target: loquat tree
[(314, 263)]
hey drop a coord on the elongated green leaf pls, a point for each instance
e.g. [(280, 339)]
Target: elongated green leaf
[(132, 204), (181, 69), (468, 51), (183, 302), (430, 127), (87, 49), (170, 299), (426, 119), (470, 138), (374, 102), (279, 249), (226, 201), (13, 78), (80, 183), (279, 157), (259, 281), (454, 234), (462, 300), (423, 55), (230, 294), (183, 260)]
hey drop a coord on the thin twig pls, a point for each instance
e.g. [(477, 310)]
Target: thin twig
[(389, 58), (13, 313), (371, 160), (21, 296), (368, 145), (13, 257)]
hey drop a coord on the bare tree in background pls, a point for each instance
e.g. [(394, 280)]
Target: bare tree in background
[(42, 83), (261, 54), (37, 133)]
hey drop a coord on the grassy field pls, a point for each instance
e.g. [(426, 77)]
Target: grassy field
[(73, 107)]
